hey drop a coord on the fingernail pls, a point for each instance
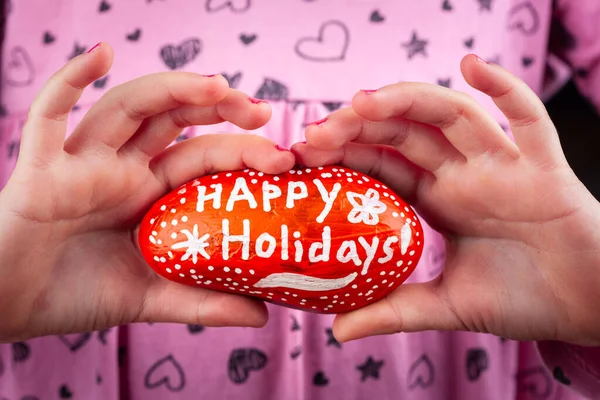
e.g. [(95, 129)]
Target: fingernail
[(209, 76), (94, 48), (480, 59), (278, 147), (368, 91), (319, 122), (256, 101)]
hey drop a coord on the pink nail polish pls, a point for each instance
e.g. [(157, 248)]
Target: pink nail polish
[(256, 101), (319, 122), (94, 48), (278, 147), (480, 59), (209, 76), (303, 142), (368, 91)]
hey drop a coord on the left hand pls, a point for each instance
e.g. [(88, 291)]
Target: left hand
[(523, 244), (69, 260)]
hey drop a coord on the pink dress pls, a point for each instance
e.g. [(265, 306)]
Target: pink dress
[(307, 58)]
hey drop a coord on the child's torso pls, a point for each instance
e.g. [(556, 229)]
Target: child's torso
[(307, 58)]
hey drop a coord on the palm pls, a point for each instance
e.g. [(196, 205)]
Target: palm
[(480, 200), (92, 251)]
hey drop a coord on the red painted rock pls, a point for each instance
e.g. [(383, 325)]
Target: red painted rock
[(324, 239)]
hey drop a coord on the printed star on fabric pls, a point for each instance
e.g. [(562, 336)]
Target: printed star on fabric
[(331, 340), (415, 46), (370, 369), (195, 245)]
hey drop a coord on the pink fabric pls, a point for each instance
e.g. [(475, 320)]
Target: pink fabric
[(270, 49)]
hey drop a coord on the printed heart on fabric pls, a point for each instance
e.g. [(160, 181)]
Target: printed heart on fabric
[(19, 68), (330, 44), (177, 56), (166, 371)]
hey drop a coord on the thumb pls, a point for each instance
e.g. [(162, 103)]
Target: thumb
[(413, 307), (176, 303)]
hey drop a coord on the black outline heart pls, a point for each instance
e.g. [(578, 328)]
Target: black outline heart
[(518, 24), (418, 381), (320, 38), (227, 4), (165, 379), (82, 339), (18, 56)]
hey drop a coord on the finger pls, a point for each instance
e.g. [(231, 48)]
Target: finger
[(383, 163), (423, 144), (160, 131), (45, 129), (531, 126), (208, 154), (119, 113), (470, 129), (175, 303), (413, 307)]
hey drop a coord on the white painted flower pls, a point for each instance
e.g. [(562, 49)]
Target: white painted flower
[(365, 207), (194, 245)]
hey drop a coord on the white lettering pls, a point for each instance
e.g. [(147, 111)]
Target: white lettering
[(293, 195), (370, 250), (298, 247), (284, 242), (239, 192), (387, 248), (214, 196), (328, 198), (325, 245), (405, 236), (347, 252), (260, 241), (244, 238), (269, 193)]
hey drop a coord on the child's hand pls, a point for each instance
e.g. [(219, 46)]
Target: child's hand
[(68, 256), (523, 233)]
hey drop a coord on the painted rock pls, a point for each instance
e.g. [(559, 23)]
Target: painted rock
[(325, 239)]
